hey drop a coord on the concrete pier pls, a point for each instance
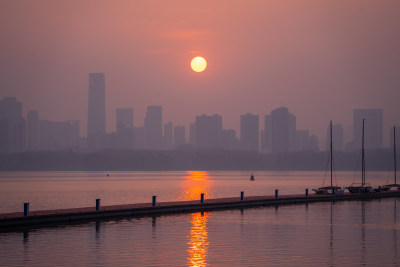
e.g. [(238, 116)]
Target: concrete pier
[(38, 218)]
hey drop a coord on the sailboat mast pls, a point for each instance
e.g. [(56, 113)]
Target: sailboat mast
[(331, 148), (363, 158), (394, 154)]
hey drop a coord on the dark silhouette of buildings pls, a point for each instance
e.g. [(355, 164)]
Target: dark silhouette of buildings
[(229, 141), (124, 125), (249, 132), (96, 123), (56, 135), (280, 131), (305, 141), (168, 135), (208, 131), (153, 127), (12, 126), (192, 133), (33, 130), (179, 135)]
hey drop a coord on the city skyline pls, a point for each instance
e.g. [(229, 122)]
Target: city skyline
[(278, 134), (260, 57)]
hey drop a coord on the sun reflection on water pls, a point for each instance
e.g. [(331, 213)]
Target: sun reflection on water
[(198, 244), (197, 183)]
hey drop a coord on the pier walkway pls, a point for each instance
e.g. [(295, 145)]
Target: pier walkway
[(38, 218)]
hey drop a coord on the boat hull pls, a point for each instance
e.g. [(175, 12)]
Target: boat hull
[(360, 189)]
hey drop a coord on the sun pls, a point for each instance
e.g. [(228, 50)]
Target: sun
[(198, 64)]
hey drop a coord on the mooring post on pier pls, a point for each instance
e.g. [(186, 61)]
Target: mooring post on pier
[(242, 195), (306, 192), (202, 198), (358, 190), (333, 191), (276, 193), (98, 204), (154, 201), (380, 189), (26, 209)]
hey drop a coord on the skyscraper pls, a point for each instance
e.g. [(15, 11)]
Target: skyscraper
[(179, 135), (208, 131), (283, 126), (168, 135), (192, 133), (249, 132), (373, 128), (57, 135), (12, 126), (124, 118), (267, 135), (124, 134), (32, 130), (153, 127), (96, 123)]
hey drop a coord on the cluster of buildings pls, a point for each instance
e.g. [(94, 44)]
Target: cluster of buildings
[(278, 135)]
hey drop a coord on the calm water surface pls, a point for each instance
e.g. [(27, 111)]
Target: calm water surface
[(349, 233)]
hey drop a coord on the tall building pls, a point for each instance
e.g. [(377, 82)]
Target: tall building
[(267, 135), (208, 131), (33, 130), (305, 141), (373, 134), (179, 135), (337, 137), (12, 126), (56, 135), (96, 123), (153, 127), (229, 140), (139, 138), (124, 118), (283, 130), (192, 133), (249, 132), (168, 135), (124, 134)]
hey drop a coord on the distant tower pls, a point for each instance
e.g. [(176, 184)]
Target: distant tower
[(124, 118), (32, 130), (125, 135), (179, 135), (168, 135), (249, 132), (153, 127), (96, 123), (208, 131), (373, 128), (283, 133), (12, 126), (192, 133)]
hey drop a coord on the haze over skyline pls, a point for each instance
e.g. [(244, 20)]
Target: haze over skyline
[(320, 59)]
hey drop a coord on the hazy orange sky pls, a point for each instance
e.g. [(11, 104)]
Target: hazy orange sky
[(321, 59)]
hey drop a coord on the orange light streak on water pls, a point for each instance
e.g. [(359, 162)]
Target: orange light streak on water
[(197, 182)]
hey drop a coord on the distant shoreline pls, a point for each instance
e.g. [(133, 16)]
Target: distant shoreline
[(170, 160)]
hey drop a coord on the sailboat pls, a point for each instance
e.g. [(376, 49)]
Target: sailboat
[(387, 187), (363, 187), (330, 190)]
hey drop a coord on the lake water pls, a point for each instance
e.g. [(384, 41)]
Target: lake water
[(351, 233)]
